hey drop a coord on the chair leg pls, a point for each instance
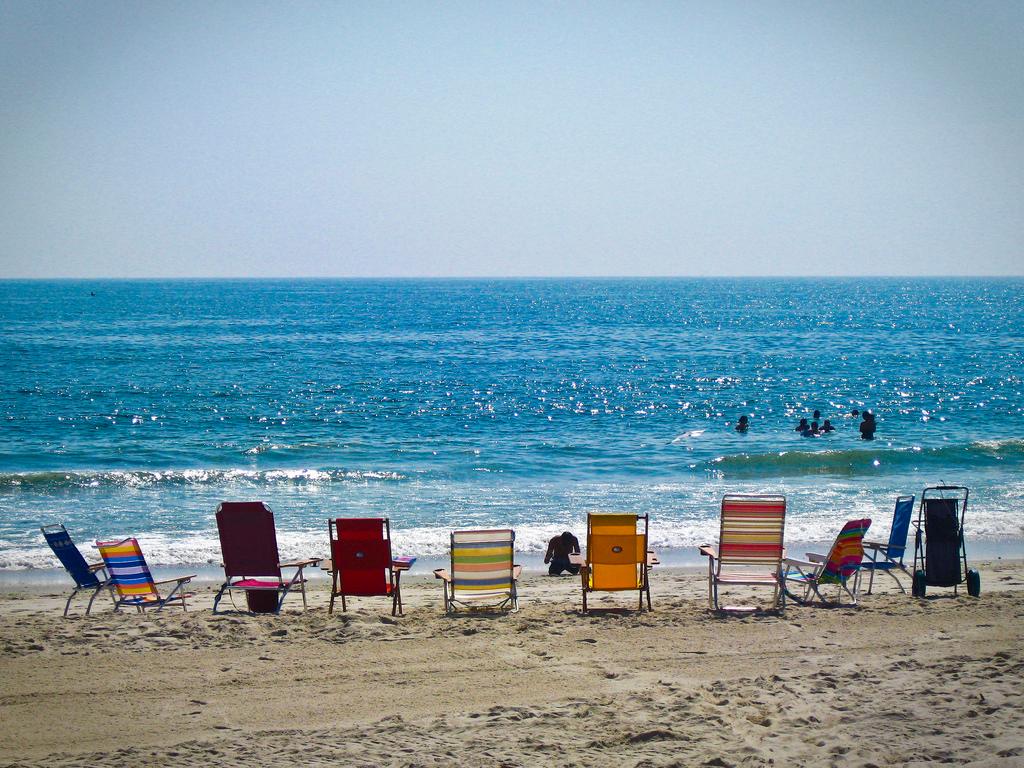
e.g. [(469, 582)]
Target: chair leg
[(67, 605), (899, 583), (219, 595), (712, 590), (89, 607)]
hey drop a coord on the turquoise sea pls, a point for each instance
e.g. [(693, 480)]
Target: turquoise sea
[(134, 407)]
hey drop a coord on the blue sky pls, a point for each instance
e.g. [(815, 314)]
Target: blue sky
[(511, 139)]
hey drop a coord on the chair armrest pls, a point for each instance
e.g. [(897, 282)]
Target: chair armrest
[(875, 545), (577, 558), (300, 563), (709, 551), (814, 557), (176, 580), (652, 559), (442, 573), (799, 563), (517, 571), (93, 567)]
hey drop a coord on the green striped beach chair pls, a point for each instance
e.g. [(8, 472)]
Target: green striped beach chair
[(749, 551), (482, 574)]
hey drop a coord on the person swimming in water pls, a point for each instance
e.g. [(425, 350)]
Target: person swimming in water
[(868, 426), (803, 426), (827, 427), (743, 424)]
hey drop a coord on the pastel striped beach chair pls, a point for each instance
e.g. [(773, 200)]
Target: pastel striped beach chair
[(749, 551), (482, 573), (617, 559), (87, 576), (840, 567), (132, 580), (887, 557)]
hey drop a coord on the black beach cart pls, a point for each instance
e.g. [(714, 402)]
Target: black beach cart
[(940, 558)]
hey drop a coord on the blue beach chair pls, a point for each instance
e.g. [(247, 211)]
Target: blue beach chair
[(888, 557), (87, 576)]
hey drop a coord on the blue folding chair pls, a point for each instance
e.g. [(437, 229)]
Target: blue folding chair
[(87, 576), (888, 557)]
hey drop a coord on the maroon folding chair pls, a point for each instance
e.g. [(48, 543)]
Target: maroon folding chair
[(361, 562), (248, 543)]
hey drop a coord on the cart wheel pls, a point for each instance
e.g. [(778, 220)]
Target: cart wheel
[(919, 586), (973, 583)]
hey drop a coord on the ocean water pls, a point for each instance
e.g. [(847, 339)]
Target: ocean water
[(134, 407)]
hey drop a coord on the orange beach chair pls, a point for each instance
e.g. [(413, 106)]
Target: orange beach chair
[(617, 558)]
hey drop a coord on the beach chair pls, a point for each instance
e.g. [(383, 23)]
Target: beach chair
[(87, 576), (248, 544), (132, 581), (749, 551), (361, 562), (888, 557), (482, 573), (840, 567), (617, 559)]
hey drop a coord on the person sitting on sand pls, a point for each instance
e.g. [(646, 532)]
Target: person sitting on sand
[(559, 549), (803, 426), (827, 427), (743, 424), (867, 427)]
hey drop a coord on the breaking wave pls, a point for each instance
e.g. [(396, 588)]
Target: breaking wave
[(872, 459), (188, 477)]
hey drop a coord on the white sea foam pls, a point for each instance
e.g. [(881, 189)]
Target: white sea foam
[(164, 549)]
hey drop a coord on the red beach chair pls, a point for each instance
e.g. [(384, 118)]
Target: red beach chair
[(361, 562), (248, 543)]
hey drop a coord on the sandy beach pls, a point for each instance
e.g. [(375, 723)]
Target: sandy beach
[(895, 681)]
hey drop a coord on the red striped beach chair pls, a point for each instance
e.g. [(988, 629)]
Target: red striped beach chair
[(482, 573), (132, 580), (749, 551), (840, 567)]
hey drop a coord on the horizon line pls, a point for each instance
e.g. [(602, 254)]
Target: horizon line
[(269, 278)]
